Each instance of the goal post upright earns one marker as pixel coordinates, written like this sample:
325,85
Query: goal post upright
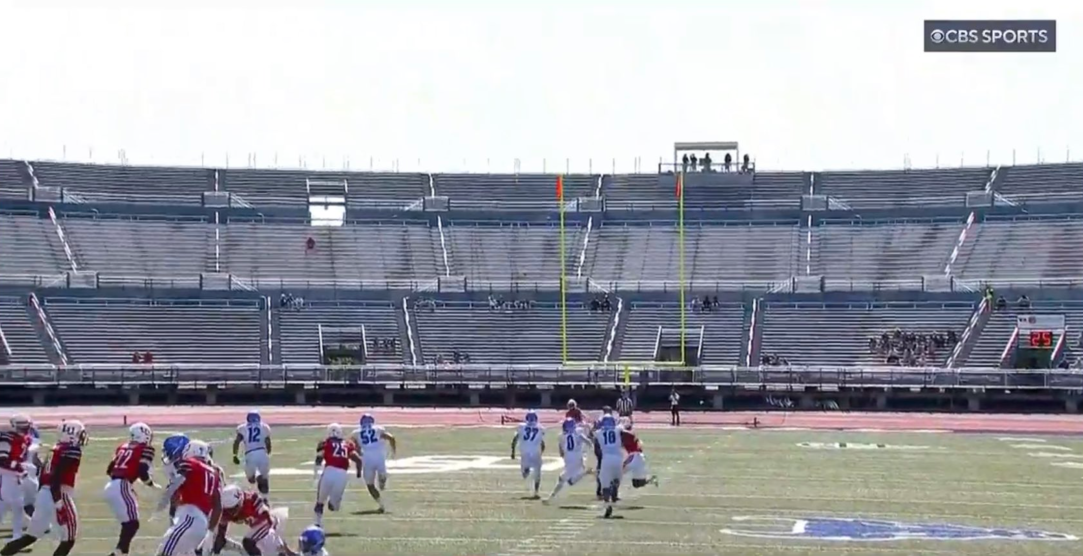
680,261
563,274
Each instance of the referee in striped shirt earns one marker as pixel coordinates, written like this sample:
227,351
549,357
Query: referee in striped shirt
625,405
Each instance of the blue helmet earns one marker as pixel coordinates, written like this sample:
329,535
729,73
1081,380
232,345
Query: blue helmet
311,541
532,417
609,422
367,421
569,425
252,418
174,446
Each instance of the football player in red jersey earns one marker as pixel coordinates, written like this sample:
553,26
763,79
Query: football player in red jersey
635,463
197,487
15,440
56,495
132,461
574,412
335,453
250,509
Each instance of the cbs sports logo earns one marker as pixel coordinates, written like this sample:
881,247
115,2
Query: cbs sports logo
990,36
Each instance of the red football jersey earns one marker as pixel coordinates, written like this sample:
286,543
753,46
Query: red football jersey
335,452
128,459
13,447
630,442
574,413
252,511
71,452
201,484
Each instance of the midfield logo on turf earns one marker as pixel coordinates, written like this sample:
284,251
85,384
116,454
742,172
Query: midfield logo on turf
853,529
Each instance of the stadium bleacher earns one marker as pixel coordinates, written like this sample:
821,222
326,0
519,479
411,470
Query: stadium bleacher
745,237
839,334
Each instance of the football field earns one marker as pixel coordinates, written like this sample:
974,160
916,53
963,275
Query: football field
454,492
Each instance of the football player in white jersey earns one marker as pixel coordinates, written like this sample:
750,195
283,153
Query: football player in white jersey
369,439
572,444
608,438
531,436
256,437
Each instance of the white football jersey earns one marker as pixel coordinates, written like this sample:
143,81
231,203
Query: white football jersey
530,437
609,440
371,442
574,443
253,436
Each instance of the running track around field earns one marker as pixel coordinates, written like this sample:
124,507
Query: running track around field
191,417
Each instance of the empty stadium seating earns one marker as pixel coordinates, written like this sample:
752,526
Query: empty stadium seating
510,191
22,337
29,245
838,334
509,336
379,253
108,331
299,330
710,190
871,189
287,188
724,327
734,252
12,185
882,250
1049,182
141,184
1015,249
503,252
137,247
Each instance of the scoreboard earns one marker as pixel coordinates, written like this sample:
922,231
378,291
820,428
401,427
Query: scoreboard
1036,340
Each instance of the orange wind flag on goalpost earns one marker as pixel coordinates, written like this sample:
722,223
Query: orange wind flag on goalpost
680,183
560,188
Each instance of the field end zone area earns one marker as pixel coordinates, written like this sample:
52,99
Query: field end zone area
724,490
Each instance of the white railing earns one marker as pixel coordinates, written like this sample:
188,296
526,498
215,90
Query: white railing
44,319
63,241
794,377
443,245
959,243
4,344
752,332
409,331
612,340
971,325
583,251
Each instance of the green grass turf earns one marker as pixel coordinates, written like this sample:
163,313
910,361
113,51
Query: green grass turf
707,478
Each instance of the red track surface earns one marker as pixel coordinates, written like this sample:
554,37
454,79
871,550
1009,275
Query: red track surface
197,416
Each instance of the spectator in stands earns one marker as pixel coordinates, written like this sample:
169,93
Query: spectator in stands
1024,302
310,245
714,301
727,162
706,303
493,305
595,305
607,305
706,162
692,162
148,358
684,163
1002,303
745,164
136,358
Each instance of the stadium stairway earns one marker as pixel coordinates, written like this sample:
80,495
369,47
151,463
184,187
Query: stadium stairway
998,332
